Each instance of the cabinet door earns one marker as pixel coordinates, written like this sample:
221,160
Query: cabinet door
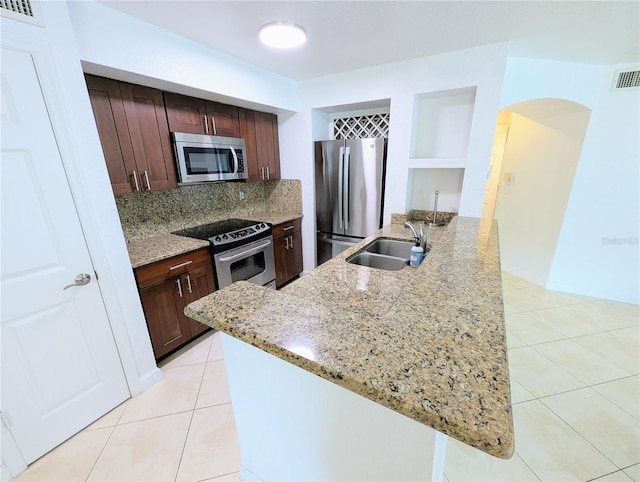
149,131
223,120
198,282
186,114
280,253
168,326
109,114
260,133
267,138
248,131
295,254
287,247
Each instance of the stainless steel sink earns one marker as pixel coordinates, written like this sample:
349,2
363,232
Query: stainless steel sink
390,247
372,260
384,253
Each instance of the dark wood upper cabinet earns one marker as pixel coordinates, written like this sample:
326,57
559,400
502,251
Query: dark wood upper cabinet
134,134
135,124
111,121
149,130
198,116
260,133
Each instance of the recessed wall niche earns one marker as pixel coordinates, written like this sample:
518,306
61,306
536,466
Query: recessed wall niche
441,127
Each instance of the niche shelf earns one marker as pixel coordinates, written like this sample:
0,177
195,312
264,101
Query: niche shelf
441,128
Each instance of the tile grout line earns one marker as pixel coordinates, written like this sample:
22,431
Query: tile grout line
579,434
93,466
195,403
184,445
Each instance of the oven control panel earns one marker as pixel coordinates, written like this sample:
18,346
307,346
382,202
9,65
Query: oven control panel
252,232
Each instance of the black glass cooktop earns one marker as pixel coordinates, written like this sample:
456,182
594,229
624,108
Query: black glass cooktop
228,233
211,230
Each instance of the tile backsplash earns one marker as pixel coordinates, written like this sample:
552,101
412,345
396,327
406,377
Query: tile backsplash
147,213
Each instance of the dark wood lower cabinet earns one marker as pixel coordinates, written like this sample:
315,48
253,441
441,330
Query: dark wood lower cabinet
287,250
164,298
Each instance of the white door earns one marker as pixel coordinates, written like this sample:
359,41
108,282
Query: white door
60,366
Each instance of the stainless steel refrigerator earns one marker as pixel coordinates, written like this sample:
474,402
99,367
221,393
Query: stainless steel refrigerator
349,178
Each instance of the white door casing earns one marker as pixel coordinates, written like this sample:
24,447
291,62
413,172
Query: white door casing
60,366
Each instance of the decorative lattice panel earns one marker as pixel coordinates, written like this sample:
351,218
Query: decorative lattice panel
374,125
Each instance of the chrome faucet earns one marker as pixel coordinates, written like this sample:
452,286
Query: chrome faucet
421,238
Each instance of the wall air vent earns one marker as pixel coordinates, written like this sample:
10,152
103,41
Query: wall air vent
626,79
18,6
23,10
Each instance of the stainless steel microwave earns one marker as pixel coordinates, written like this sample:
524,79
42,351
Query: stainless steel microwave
204,158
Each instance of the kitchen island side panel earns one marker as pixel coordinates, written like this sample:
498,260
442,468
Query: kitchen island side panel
293,425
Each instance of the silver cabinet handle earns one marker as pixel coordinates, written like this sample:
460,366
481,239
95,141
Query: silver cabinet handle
180,265
268,174
262,172
146,176
179,287
135,179
288,228
80,280
206,124
213,124
189,284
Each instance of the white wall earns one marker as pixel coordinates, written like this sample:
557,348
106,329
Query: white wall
116,45
425,182
541,154
603,204
597,253
399,82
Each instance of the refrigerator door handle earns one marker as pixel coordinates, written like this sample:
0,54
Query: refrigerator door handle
347,183
341,188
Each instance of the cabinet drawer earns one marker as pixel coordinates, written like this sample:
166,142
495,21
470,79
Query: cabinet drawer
167,268
285,229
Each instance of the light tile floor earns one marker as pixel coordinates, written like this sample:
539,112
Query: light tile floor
575,383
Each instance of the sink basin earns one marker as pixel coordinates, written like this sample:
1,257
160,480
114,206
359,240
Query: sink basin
384,253
372,260
390,247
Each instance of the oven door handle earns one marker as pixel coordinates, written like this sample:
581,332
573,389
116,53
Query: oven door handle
244,254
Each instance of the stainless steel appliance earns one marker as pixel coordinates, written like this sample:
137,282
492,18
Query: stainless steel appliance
204,158
242,250
349,179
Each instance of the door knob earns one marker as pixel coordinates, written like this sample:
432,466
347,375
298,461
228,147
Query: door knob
80,280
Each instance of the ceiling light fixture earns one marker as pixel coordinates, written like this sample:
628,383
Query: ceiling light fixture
282,35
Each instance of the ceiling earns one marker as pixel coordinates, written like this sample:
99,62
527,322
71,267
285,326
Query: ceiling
347,35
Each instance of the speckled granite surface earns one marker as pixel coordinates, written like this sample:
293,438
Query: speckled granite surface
427,342
148,218
149,249
145,214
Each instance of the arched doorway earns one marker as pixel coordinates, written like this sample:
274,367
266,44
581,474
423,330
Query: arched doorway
536,152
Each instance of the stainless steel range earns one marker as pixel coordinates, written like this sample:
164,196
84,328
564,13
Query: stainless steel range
242,250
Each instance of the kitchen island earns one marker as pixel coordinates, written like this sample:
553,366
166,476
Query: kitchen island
398,358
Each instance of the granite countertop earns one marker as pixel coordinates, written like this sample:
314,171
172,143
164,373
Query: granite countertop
156,247
427,342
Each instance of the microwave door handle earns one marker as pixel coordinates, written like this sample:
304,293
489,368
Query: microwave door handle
235,160
246,253
341,187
